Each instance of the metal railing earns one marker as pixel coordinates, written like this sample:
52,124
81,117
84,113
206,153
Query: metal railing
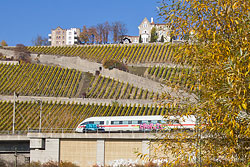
17,132
73,130
52,130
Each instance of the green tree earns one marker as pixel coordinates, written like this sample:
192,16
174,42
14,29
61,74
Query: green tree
3,43
140,40
154,35
219,54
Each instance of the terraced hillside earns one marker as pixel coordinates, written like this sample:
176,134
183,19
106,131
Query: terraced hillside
42,80
54,81
39,80
108,88
171,76
62,115
140,53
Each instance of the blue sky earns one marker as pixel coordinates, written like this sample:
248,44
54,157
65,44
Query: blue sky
23,20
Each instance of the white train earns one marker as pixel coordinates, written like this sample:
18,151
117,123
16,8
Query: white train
135,123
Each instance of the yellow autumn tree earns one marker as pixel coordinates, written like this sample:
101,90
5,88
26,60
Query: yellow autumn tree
218,53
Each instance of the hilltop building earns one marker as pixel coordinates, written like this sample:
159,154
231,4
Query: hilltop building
162,29
131,39
62,37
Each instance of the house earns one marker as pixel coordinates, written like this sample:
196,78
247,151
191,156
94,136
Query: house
130,39
62,37
162,29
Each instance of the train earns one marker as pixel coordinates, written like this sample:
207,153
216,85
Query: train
135,123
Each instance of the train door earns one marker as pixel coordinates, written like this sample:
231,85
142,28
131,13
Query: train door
107,125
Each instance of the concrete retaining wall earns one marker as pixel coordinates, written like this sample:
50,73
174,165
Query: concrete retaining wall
7,53
49,153
86,150
10,158
78,100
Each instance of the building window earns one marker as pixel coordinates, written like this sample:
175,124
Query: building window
69,33
69,38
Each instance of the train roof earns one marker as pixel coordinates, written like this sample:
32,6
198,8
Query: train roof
154,117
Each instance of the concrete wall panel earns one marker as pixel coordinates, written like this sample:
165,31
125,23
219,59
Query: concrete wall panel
121,150
50,153
80,152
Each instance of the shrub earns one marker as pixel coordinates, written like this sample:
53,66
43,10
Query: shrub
110,64
51,164
22,53
1,56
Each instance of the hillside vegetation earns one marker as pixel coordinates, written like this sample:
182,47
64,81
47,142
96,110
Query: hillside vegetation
66,115
43,80
172,76
108,88
140,53
39,80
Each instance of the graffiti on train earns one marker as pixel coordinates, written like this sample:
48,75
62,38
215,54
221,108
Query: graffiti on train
151,126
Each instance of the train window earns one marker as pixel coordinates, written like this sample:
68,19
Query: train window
154,121
144,121
101,122
134,122
139,122
107,122
125,122
162,122
115,122
120,122
97,122
129,122
149,121
90,122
